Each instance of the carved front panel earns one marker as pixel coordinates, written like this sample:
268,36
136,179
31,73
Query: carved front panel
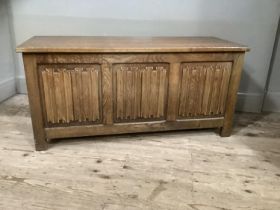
203,88
140,91
71,93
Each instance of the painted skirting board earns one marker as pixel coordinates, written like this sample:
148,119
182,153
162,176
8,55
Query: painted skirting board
249,102
272,102
7,88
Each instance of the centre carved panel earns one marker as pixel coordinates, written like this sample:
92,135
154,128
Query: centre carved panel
140,91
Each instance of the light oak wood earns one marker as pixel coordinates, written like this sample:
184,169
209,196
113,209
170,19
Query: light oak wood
89,86
232,94
71,93
134,85
82,58
203,88
34,97
107,94
120,128
172,104
128,44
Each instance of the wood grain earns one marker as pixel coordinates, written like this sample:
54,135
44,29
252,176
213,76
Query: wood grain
107,93
203,89
140,91
136,127
71,93
94,94
68,96
35,105
173,94
128,44
117,58
232,94
126,84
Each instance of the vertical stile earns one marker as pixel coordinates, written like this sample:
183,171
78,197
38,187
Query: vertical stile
129,95
224,88
139,92
153,95
214,100
197,94
68,95
48,99
148,93
124,94
187,86
52,94
192,93
219,90
161,93
201,88
119,86
63,99
211,71
183,92
144,94
94,74
58,99
90,95
135,99
75,94
157,92
85,95
80,93
207,89
107,93
134,106
196,74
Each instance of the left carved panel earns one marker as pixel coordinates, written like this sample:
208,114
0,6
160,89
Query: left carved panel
71,93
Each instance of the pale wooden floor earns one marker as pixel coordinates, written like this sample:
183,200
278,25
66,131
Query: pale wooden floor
192,170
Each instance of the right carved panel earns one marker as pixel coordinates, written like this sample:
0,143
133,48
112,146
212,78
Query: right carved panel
203,89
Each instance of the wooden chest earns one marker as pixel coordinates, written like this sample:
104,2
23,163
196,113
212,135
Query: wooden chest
83,86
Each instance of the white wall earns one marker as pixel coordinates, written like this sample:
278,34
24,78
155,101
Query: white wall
250,22
7,68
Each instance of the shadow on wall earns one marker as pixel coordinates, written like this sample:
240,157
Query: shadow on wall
272,98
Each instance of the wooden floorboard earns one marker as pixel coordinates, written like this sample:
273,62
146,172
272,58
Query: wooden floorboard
191,170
